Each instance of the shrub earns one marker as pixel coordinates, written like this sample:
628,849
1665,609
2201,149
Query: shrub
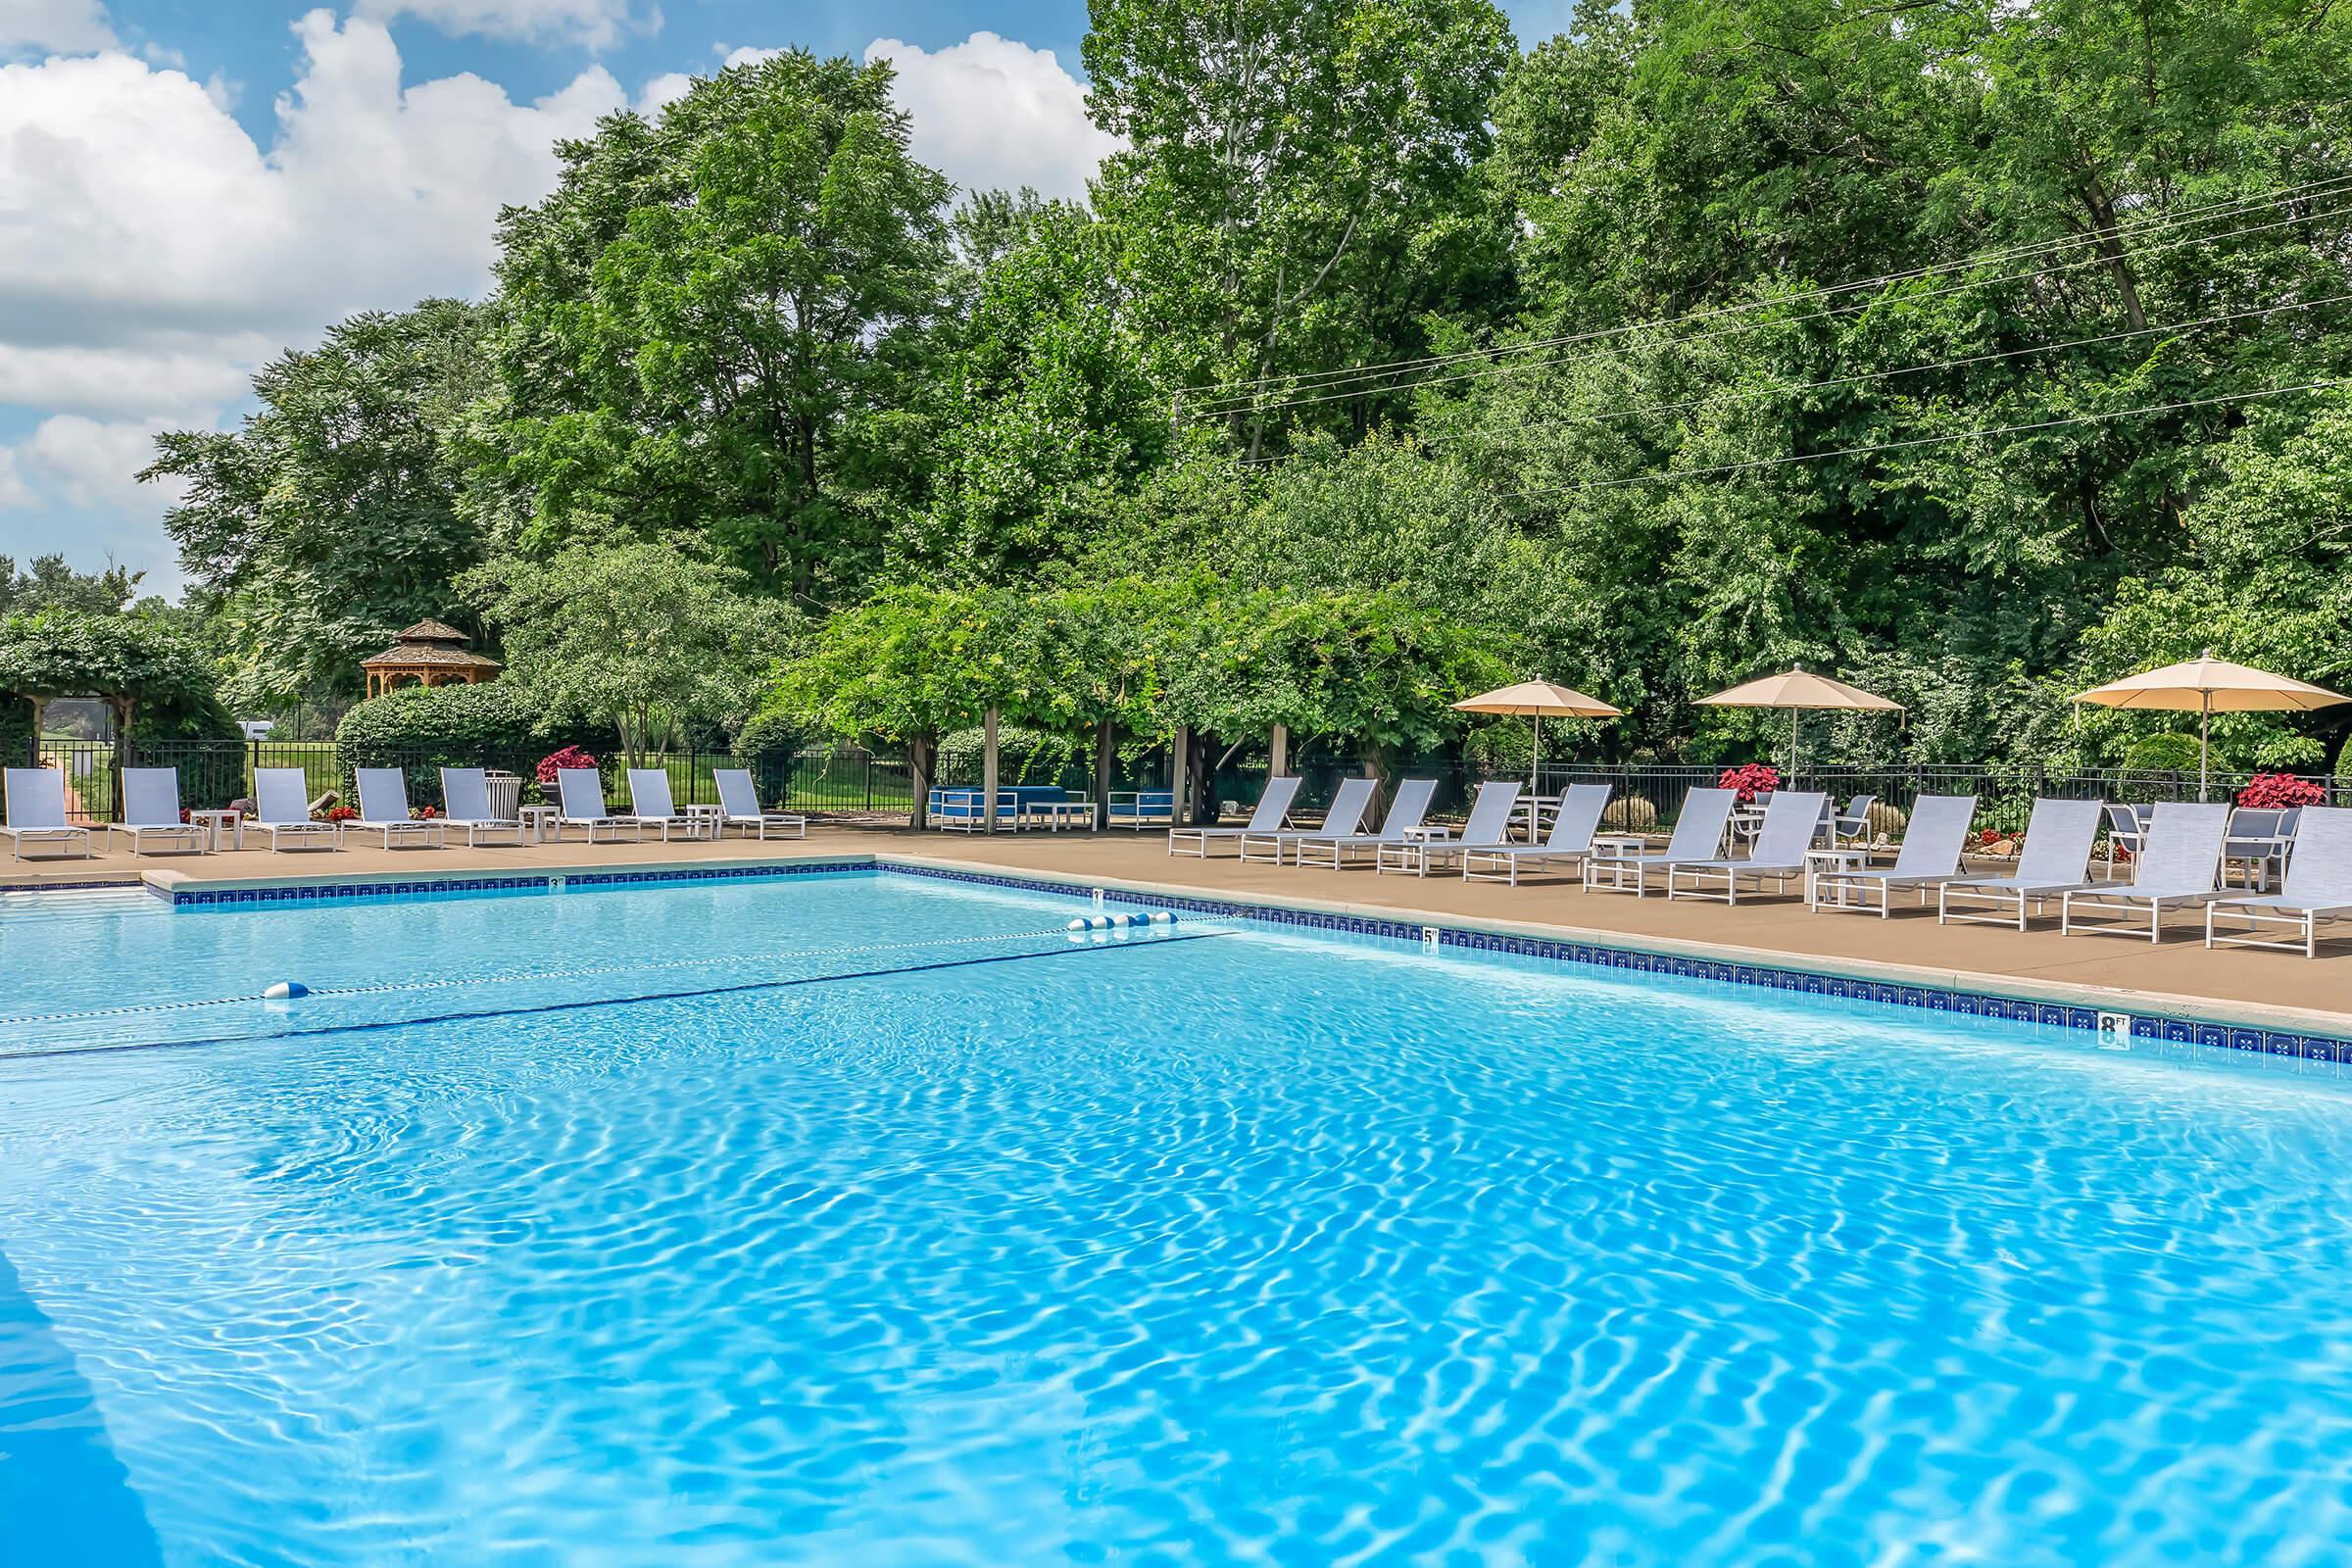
1752,780
2275,792
766,744
556,761
1632,814
2162,754
15,730
2344,762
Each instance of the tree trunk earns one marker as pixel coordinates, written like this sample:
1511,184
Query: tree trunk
1107,753
923,764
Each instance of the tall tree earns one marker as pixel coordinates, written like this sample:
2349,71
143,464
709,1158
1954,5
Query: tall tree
1300,187
716,321
333,517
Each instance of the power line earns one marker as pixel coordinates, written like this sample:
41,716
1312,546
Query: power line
1673,474
1753,327
1236,398
1735,395
1226,391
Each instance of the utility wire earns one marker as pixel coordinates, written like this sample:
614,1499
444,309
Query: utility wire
1231,390
1673,475
1753,327
1738,395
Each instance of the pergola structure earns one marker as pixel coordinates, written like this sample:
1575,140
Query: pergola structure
427,654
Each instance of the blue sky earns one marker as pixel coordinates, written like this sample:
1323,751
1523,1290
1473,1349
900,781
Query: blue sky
190,186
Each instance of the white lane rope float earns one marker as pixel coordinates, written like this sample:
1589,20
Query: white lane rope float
289,990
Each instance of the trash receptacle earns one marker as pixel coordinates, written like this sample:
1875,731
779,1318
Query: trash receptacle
506,794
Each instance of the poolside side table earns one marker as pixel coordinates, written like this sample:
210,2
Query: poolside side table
1817,861
539,820
704,821
1056,813
218,825
1609,853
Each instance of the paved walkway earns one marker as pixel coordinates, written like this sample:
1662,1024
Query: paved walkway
2228,981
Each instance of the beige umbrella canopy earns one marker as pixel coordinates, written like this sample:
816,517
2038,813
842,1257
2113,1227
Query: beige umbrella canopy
1534,699
2206,686
1798,689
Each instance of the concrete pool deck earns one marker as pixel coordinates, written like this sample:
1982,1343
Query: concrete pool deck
2249,986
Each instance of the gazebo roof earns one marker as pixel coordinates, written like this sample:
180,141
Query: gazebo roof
430,645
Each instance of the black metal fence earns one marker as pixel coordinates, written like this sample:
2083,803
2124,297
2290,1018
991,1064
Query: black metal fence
849,782
878,785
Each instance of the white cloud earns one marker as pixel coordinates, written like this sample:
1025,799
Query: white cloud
596,24
151,256
53,26
994,112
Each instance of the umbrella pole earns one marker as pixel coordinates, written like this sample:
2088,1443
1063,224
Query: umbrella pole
1535,769
2204,743
1794,714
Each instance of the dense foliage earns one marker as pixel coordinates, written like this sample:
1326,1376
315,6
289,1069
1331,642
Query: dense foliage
1961,349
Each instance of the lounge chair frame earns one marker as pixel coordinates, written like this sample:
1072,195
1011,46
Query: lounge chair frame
1272,811
2048,867
2317,888
1582,807
1488,827
1697,836
151,810
2183,843
19,786
464,791
1336,850
1347,815
1793,820
755,821
1937,835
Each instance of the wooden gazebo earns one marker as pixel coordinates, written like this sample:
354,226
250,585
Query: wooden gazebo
427,654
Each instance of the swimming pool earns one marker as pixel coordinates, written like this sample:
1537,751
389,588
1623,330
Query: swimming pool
890,1224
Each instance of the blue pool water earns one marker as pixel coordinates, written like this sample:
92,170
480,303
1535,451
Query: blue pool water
972,1243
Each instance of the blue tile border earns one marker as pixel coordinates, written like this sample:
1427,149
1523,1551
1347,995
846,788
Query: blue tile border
1934,999
2154,1028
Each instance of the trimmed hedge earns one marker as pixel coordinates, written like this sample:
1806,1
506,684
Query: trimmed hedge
427,728
15,730
2164,753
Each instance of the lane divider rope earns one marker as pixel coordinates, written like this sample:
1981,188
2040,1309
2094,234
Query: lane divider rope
588,1003
524,976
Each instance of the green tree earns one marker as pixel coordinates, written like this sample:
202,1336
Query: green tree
1300,189
644,637
140,665
719,320
48,584
333,517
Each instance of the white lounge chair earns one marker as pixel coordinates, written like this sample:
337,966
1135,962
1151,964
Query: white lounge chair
1697,836
1853,822
466,804
1346,816
384,812
36,810
282,811
650,804
1265,821
1933,841
581,792
1488,827
2179,869
739,807
1570,840
1404,817
151,810
1793,820
2054,862
2318,887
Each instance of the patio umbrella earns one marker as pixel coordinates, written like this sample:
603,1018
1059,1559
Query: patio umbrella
2206,686
1797,691
1534,699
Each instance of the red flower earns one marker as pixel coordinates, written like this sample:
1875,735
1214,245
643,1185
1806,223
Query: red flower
342,813
425,814
1752,780
569,757
2275,792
